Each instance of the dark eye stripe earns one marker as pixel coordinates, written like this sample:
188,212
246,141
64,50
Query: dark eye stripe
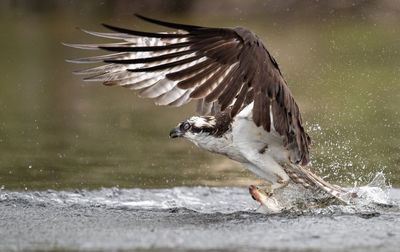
203,129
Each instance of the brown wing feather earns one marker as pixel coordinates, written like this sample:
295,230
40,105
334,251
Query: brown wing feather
225,69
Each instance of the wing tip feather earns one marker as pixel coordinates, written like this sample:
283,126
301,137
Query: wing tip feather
168,24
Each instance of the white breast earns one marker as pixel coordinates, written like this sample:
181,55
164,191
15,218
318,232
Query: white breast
264,151
247,134
221,145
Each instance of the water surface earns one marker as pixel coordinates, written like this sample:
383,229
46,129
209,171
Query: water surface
188,219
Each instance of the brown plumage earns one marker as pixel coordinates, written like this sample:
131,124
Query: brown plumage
225,69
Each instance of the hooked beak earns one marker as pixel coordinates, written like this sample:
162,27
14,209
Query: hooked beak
175,132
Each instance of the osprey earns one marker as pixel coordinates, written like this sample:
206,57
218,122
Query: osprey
245,110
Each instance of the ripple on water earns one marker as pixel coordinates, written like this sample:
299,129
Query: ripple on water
225,200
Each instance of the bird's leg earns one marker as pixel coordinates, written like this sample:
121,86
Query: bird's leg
280,183
268,189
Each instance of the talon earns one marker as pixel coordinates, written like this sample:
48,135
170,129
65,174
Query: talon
265,190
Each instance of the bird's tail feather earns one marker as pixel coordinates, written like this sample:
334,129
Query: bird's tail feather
301,174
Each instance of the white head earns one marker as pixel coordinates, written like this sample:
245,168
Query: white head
195,128
206,132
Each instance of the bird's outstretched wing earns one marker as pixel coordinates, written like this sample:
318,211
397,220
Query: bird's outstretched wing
224,69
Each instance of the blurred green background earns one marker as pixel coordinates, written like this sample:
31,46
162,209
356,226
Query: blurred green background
340,58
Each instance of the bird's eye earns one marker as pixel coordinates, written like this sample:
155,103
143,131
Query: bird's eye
185,126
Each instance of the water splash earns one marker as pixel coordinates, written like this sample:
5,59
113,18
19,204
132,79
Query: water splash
376,192
369,198
334,156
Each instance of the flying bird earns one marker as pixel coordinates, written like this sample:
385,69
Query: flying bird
245,110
